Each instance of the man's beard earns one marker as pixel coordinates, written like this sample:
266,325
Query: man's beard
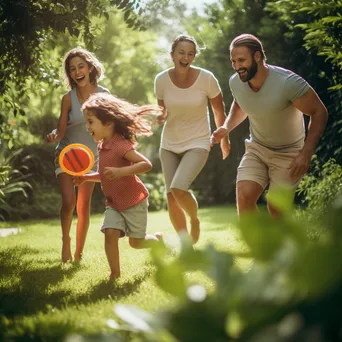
250,72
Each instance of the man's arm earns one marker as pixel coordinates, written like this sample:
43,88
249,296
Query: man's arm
235,117
217,106
310,104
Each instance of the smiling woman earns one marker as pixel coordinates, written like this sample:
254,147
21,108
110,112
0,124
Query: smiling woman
183,92
82,70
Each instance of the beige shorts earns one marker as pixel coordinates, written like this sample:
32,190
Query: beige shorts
131,222
181,169
265,166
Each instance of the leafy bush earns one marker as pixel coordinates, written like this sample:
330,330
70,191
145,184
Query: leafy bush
291,293
321,186
154,182
13,181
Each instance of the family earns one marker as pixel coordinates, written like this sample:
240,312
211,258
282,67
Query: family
277,152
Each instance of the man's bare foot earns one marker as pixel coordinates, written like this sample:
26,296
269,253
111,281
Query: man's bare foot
195,230
66,251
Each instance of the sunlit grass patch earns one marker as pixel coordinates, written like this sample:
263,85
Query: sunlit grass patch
41,298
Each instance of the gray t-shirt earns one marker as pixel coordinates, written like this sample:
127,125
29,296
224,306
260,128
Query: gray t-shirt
274,122
76,131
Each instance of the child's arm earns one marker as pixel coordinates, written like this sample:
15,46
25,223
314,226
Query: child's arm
89,177
140,165
58,134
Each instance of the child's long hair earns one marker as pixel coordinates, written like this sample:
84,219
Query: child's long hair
91,60
129,120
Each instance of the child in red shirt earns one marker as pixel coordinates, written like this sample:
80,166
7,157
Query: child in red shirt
114,123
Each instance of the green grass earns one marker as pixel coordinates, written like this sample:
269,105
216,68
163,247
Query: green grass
40,299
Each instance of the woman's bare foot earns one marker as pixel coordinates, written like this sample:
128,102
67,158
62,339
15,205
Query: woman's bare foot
77,257
114,276
195,230
66,251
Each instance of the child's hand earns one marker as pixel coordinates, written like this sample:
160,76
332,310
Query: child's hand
78,180
111,173
53,136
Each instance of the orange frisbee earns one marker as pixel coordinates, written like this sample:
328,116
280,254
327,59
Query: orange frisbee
76,159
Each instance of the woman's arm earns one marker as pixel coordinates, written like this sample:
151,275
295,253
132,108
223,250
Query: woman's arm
58,134
218,106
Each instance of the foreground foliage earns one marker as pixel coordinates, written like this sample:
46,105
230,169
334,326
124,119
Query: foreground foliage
291,293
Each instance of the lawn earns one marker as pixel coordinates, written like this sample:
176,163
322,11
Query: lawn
40,299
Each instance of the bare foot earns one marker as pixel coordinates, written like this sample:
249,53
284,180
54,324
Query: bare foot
159,236
78,257
114,276
66,253
195,230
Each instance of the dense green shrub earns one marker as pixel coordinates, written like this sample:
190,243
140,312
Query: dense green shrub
13,182
154,182
320,186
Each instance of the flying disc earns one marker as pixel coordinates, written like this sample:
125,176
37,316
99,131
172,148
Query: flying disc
76,159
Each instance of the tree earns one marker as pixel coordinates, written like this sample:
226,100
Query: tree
24,25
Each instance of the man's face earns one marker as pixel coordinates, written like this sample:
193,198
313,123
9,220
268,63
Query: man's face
243,63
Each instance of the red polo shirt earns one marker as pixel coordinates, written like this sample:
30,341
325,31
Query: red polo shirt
124,192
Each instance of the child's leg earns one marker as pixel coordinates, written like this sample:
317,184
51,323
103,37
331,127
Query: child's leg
112,237
147,242
68,205
85,191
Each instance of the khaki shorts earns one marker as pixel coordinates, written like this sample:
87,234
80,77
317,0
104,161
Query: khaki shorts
131,222
181,169
265,166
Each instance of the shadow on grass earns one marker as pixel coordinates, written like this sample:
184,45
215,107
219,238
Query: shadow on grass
26,291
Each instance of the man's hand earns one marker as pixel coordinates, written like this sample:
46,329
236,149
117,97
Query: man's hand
218,135
300,165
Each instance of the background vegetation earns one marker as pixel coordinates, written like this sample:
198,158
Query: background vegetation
132,38
289,286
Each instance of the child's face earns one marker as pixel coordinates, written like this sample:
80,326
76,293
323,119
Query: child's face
79,71
96,128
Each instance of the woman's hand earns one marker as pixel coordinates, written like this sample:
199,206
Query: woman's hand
161,118
52,137
225,147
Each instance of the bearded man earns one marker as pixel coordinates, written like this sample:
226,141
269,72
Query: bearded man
274,100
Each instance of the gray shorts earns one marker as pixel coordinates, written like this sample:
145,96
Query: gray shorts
181,169
265,166
131,222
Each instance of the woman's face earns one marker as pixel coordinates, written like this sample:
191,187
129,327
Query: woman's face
183,55
79,71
